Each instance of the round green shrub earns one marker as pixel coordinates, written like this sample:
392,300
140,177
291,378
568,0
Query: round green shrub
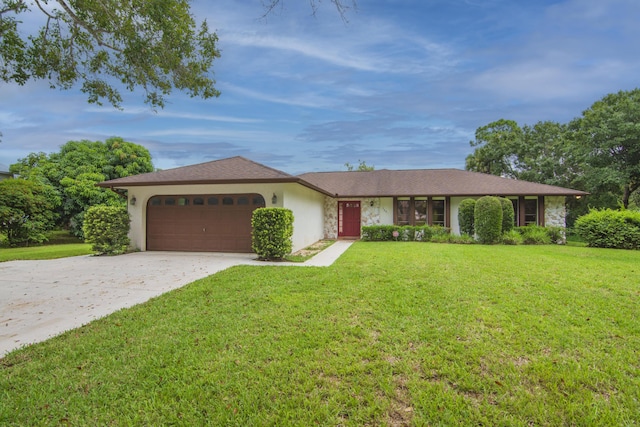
272,232
508,216
107,229
608,228
488,219
466,215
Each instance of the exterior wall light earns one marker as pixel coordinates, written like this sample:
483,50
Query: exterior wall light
274,199
133,201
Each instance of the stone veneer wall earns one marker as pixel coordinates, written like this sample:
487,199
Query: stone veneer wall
330,218
370,215
555,211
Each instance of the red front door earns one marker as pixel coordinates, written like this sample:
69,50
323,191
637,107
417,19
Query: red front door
349,219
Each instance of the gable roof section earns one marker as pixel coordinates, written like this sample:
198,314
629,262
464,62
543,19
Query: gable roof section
234,170
377,183
428,182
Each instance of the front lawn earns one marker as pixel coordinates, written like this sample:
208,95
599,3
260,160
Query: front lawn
391,334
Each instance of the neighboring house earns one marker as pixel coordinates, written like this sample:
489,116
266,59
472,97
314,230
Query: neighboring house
208,206
4,172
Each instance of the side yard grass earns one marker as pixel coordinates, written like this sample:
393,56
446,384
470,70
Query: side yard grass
391,334
61,244
45,252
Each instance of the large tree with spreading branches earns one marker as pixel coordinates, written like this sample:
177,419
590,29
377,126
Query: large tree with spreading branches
107,45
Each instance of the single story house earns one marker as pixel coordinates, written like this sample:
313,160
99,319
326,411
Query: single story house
208,206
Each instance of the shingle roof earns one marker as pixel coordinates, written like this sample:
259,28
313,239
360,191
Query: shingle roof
377,183
428,182
232,170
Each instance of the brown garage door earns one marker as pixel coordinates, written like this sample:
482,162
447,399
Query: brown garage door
201,223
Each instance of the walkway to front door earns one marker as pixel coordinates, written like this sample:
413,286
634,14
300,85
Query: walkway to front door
349,219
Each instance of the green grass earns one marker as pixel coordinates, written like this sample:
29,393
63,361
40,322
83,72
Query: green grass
391,334
61,244
45,252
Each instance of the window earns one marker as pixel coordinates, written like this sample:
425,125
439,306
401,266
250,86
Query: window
212,201
530,211
403,212
242,200
198,201
438,212
227,201
155,201
420,209
169,201
258,201
183,201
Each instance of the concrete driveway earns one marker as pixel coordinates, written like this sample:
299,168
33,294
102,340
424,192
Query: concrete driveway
41,299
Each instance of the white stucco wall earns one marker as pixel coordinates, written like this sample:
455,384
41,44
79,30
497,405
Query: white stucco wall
305,203
308,214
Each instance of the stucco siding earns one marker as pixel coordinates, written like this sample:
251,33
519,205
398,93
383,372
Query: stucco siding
308,214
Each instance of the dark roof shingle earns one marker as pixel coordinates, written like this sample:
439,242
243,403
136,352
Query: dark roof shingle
377,183
428,182
233,169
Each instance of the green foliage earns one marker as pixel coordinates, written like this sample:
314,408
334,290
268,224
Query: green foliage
512,237
362,167
107,229
488,219
508,215
405,233
609,133
557,234
497,148
72,174
153,45
27,211
609,228
272,233
534,235
466,213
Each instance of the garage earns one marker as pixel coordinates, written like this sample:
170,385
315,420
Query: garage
201,223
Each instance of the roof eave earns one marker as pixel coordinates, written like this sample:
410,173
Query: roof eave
114,185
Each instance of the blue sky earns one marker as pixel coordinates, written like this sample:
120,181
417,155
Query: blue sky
402,85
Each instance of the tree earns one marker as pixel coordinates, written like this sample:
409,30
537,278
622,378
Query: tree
608,134
340,6
73,172
362,166
153,45
498,145
107,45
27,211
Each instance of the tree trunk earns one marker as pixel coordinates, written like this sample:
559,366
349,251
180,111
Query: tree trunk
625,196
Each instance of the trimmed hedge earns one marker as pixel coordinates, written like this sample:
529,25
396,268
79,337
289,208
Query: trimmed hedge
488,219
609,228
406,233
466,213
272,233
107,229
508,216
